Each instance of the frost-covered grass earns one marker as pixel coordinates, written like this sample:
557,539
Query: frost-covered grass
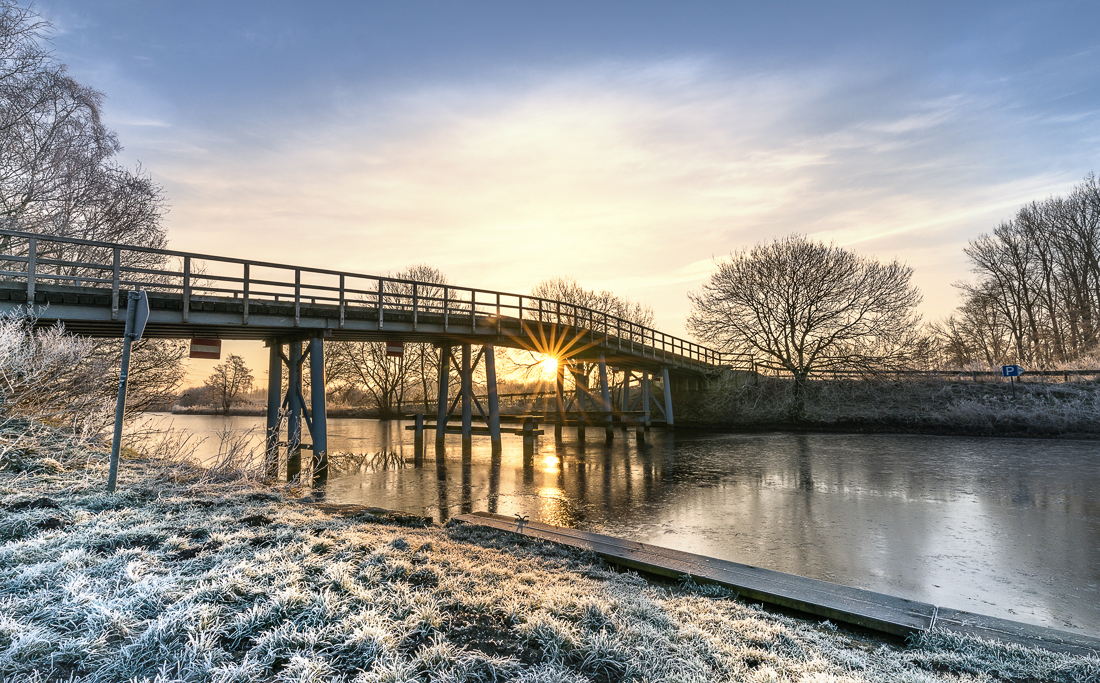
202,579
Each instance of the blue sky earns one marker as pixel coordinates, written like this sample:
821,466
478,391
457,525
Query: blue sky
625,144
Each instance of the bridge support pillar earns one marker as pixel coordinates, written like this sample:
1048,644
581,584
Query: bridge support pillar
494,402
467,394
318,410
274,403
559,394
625,397
605,394
418,435
294,414
668,397
580,389
646,397
442,404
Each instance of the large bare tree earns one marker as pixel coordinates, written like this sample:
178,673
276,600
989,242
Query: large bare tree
804,307
59,175
58,161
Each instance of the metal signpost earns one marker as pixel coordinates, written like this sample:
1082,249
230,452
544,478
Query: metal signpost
1012,372
137,314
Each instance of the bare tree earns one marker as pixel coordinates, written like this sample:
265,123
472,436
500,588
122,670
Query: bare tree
422,360
976,335
59,176
58,173
1038,275
229,381
808,307
365,367
568,291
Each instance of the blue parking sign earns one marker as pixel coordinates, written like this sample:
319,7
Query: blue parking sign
1011,371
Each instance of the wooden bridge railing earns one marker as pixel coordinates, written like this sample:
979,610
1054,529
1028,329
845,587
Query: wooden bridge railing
34,258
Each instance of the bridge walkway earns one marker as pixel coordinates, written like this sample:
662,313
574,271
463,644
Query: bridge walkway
85,285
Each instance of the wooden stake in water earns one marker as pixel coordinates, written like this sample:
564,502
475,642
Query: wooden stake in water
137,314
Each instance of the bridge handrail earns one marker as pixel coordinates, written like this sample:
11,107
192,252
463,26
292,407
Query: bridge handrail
446,298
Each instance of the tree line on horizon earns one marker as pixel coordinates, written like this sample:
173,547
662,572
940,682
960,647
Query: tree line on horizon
1036,300
803,307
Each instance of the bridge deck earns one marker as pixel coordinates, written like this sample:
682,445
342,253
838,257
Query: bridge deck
84,283
88,311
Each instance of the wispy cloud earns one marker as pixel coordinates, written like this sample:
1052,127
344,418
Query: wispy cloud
626,176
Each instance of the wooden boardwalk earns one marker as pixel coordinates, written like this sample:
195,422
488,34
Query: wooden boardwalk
877,611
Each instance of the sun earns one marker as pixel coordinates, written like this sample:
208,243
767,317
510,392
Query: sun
548,365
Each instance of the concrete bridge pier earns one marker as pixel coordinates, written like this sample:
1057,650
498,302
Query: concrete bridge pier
466,367
580,390
625,396
646,397
668,397
418,434
493,399
316,417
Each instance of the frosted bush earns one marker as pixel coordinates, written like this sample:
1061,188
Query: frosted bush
47,374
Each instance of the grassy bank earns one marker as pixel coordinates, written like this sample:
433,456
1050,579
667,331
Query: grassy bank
1039,409
197,576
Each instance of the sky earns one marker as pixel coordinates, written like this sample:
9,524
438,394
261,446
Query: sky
626,144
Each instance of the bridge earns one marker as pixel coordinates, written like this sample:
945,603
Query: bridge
84,284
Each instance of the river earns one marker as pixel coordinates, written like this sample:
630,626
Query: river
1004,527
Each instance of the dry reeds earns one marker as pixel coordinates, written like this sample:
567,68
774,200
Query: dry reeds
907,404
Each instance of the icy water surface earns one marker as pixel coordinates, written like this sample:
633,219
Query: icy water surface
1004,527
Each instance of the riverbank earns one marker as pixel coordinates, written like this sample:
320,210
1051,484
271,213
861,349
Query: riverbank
207,576
908,406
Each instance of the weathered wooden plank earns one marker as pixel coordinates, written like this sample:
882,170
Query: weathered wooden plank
869,609
1007,631
841,603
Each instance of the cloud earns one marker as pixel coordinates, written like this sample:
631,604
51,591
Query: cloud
625,176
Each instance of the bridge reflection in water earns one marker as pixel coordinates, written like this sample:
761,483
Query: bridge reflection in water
559,482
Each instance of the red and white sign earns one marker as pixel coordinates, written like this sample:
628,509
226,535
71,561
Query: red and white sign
206,348
395,349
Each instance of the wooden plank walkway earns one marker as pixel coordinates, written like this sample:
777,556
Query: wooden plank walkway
878,611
